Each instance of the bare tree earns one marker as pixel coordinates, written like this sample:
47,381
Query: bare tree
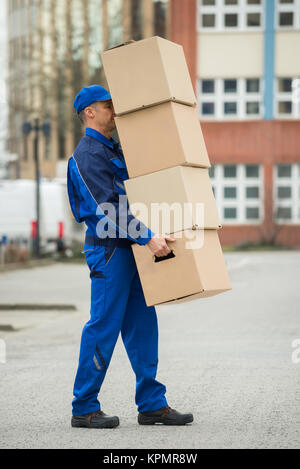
69,132
29,57
105,30
54,81
126,20
148,10
86,42
136,20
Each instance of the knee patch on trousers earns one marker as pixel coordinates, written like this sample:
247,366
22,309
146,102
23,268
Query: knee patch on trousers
99,360
97,274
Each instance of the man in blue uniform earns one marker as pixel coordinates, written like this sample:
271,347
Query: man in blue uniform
96,174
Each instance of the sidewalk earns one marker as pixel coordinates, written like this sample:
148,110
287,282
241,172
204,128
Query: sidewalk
227,359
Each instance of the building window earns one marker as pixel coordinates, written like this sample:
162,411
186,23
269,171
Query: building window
238,191
208,21
230,192
252,171
253,19
230,86
287,193
284,171
287,97
230,108
252,192
208,109
284,192
231,20
208,86
288,14
230,213
230,98
232,15
252,213
229,171
252,85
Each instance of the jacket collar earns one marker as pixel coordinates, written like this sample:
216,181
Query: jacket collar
101,138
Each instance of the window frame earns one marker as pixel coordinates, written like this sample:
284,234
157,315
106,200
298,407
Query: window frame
288,8
242,9
287,96
294,201
219,97
240,202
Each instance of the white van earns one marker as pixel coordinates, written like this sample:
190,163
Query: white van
18,213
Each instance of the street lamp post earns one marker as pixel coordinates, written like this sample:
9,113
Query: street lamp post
27,129
36,129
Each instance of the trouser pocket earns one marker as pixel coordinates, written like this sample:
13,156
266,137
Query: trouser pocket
95,257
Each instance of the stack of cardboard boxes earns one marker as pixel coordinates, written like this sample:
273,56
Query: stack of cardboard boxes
168,165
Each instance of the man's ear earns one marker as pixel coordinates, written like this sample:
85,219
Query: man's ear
89,113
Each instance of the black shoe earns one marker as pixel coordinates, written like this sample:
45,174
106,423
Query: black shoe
95,420
166,416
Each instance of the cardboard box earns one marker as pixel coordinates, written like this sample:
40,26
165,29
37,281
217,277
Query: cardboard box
161,137
146,73
184,186
193,273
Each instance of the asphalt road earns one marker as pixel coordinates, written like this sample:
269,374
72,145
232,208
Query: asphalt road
228,359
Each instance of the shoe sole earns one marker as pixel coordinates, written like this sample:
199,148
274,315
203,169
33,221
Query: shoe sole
144,420
75,423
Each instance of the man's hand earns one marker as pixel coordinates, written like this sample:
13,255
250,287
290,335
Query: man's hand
159,246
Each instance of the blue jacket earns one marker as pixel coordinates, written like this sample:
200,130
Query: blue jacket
96,175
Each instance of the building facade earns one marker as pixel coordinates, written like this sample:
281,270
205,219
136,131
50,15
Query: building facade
245,65
54,48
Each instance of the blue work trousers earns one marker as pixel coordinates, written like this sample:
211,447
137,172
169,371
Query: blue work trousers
117,305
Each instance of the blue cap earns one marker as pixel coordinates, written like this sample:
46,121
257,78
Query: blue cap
89,95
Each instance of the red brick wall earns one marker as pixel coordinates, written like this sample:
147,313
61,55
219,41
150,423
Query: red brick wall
264,142
253,141
183,31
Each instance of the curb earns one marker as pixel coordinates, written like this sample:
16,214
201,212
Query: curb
37,307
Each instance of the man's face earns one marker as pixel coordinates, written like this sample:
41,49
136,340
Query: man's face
102,113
